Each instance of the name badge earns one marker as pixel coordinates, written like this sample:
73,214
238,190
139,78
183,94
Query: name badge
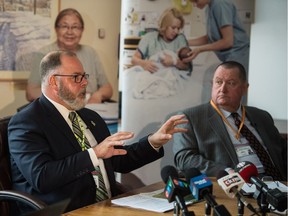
244,151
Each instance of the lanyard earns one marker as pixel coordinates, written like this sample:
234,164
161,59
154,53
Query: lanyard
237,133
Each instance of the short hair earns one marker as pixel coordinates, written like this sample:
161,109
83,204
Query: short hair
166,19
234,64
68,11
52,61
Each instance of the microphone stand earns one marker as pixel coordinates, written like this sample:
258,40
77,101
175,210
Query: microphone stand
207,209
263,204
218,210
240,206
261,201
181,202
176,210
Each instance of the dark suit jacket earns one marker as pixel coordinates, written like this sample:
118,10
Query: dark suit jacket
47,161
208,147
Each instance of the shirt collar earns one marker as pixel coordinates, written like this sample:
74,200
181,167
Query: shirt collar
61,109
227,114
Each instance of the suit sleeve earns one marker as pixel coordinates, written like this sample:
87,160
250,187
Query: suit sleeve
191,149
138,155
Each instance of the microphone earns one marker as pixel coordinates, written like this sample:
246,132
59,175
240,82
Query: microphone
175,189
274,197
231,184
201,188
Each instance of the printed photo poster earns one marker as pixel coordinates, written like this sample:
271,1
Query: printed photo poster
148,99
25,27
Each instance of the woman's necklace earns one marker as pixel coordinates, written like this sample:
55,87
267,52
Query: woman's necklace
237,133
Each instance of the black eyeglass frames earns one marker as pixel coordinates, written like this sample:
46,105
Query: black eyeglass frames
77,77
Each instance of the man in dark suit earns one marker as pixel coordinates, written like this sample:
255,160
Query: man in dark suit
214,142
46,158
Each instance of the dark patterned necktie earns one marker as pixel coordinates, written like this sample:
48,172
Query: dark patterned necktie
101,192
270,169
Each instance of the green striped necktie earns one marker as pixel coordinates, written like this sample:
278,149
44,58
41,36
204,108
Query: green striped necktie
101,192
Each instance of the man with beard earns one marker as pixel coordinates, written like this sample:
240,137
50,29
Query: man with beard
52,160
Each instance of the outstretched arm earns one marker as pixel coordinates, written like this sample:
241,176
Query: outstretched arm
108,147
225,42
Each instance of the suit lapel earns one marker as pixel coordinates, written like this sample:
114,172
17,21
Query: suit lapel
218,126
59,122
95,124
90,123
259,127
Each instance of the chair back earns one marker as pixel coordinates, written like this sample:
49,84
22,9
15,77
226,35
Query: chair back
5,174
6,193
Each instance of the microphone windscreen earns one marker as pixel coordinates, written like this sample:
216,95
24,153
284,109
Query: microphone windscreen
246,170
221,174
191,173
168,171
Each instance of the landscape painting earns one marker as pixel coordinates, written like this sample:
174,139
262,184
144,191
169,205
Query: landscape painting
24,27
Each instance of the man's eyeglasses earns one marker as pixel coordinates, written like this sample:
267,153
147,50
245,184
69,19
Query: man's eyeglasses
77,77
75,28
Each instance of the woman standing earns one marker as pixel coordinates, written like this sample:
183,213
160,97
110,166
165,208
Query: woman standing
69,26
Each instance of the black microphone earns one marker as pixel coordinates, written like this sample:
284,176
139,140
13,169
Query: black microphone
175,189
201,188
231,184
274,197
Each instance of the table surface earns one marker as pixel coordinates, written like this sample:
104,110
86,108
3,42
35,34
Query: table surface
107,208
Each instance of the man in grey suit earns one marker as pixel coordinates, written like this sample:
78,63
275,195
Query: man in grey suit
53,163
213,141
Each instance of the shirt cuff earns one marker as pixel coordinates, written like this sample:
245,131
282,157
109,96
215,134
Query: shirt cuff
155,148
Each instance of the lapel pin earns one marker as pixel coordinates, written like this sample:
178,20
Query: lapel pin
93,123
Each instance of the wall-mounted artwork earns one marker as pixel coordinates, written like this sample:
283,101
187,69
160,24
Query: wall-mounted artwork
24,27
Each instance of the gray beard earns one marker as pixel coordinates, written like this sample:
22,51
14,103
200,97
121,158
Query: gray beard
70,99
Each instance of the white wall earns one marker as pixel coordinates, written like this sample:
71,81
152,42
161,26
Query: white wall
268,58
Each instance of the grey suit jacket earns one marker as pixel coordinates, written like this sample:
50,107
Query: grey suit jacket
207,144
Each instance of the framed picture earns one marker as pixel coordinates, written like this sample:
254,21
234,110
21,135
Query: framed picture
25,27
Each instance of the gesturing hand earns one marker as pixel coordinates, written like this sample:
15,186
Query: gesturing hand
106,148
165,133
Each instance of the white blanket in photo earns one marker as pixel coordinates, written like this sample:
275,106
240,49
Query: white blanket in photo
166,82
